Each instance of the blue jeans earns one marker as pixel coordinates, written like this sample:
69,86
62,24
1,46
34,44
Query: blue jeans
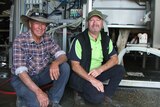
55,92
90,93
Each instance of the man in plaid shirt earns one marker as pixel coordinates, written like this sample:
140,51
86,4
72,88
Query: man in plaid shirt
38,60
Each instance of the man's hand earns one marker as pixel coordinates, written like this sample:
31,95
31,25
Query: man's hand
54,71
97,84
95,72
42,98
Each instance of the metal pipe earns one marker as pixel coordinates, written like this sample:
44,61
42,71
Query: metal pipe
153,51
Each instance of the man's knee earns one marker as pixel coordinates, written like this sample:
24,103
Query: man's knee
120,70
65,66
65,69
91,94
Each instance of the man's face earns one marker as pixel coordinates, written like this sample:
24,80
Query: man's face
95,24
37,28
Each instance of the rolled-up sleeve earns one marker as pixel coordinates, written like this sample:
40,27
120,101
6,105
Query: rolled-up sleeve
19,63
59,53
21,69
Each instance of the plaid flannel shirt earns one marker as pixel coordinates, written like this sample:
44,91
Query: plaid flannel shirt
32,57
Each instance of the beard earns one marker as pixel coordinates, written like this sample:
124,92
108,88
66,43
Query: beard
95,29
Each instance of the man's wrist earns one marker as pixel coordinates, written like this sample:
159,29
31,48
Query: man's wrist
38,91
90,78
55,62
100,70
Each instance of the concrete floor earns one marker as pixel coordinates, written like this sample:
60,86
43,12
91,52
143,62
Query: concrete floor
124,96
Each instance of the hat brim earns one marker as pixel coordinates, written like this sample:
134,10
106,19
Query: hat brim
25,19
103,17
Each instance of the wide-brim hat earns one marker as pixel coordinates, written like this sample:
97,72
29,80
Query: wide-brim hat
37,16
96,13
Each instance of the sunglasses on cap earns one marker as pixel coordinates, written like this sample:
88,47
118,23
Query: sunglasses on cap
37,14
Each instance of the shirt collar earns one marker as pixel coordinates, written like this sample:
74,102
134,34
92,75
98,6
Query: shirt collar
98,39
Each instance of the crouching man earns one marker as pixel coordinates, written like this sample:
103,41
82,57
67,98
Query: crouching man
38,60
93,61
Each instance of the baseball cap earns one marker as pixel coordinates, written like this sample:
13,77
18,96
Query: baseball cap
95,13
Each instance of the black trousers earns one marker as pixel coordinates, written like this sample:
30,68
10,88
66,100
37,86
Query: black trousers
90,93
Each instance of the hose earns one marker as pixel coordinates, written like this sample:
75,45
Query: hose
6,92
13,92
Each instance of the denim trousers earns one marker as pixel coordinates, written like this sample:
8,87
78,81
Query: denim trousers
90,93
55,93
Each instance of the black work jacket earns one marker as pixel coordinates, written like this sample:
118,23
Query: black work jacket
86,48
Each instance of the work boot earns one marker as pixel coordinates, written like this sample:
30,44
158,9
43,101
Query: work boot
20,102
52,104
78,100
56,105
109,102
